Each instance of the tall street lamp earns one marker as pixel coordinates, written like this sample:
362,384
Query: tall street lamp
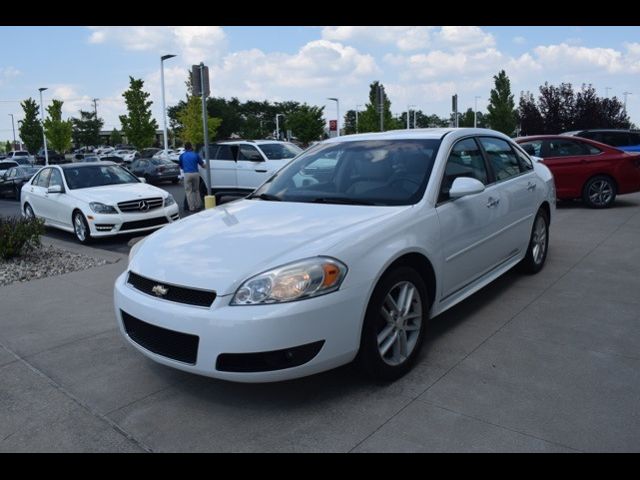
14,131
625,101
338,120
278,125
357,117
475,112
409,116
164,108
44,137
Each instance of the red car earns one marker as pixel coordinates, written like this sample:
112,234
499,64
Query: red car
586,169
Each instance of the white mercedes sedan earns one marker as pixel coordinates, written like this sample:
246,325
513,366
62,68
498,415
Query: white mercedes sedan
344,254
96,200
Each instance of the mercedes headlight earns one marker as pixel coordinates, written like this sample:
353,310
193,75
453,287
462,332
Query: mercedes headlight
169,200
293,281
98,207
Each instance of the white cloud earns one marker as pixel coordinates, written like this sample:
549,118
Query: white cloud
403,38
575,58
519,40
465,38
8,73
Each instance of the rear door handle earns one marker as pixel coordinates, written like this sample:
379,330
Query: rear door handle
261,171
531,186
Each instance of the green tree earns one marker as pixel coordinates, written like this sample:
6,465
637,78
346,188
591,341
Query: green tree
369,119
7,147
531,121
467,119
86,129
115,137
502,113
58,131
30,128
138,125
307,123
190,117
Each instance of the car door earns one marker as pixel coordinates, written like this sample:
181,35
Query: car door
516,184
6,181
37,190
223,167
567,160
252,167
58,205
467,224
138,167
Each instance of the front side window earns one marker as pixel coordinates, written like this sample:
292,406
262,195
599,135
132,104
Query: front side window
224,153
374,172
277,151
97,176
465,160
56,178
42,180
565,148
250,153
501,157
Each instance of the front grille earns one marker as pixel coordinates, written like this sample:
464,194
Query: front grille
140,205
168,343
190,296
151,222
268,361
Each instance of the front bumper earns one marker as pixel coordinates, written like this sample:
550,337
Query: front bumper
334,319
106,225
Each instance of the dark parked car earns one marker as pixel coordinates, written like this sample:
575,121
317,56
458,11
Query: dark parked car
627,140
586,169
6,165
54,157
12,180
149,152
155,170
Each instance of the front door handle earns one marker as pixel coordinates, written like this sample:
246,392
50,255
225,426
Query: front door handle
261,171
493,202
531,186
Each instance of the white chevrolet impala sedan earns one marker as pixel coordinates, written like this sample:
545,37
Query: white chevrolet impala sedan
344,254
96,200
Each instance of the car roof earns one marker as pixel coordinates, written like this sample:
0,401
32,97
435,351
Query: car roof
85,164
416,133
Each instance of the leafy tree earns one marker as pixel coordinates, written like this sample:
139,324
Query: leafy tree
138,125
7,147
58,131
531,121
349,122
556,105
86,129
30,128
115,137
190,118
369,119
613,114
502,113
307,123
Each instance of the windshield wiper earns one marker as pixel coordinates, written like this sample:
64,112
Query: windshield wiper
266,196
341,200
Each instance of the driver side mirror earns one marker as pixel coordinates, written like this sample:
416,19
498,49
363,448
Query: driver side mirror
463,186
536,159
142,180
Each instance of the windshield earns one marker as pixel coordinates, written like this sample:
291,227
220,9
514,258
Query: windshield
277,151
97,176
26,171
21,154
373,172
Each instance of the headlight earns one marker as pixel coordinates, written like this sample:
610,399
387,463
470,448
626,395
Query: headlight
135,248
98,207
169,200
293,281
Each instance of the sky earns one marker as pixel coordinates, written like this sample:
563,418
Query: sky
419,66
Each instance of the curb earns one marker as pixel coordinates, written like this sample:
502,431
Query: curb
110,257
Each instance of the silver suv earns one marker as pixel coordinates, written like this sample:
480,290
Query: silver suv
239,167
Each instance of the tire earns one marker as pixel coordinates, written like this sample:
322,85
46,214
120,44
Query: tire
383,354
81,228
16,192
538,245
599,192
28,211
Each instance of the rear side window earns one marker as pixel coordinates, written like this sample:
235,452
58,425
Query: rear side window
615,139
501,157
224,153
566,148
534,147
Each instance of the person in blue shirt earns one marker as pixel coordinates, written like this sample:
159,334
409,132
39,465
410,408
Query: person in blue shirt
189,162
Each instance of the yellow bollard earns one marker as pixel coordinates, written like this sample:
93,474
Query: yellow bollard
209,201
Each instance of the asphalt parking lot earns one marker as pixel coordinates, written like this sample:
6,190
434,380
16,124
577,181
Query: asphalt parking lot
544,363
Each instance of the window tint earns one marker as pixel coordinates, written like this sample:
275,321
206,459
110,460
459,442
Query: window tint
277,151
465,160
224,153
501,157
248,152
615,139
56,178
534,147
592,150
634,139
43,178
523,160
565,148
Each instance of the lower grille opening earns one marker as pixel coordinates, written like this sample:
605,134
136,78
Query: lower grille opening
104,227
268,361
168,343
152,222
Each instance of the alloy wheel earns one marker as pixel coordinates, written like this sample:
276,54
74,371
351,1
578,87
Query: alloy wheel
600,192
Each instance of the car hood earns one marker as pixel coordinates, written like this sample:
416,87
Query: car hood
112,194
218,249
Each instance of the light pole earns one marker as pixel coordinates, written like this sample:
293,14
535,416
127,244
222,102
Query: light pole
475,112
625,100
164,108
338,118
44,137
278,125
357,117
409,116
14,131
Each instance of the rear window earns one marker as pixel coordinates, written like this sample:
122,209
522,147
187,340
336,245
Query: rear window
277,151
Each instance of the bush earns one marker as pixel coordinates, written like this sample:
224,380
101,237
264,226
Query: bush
18,235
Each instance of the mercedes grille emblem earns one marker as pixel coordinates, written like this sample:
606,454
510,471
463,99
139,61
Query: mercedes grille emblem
144,206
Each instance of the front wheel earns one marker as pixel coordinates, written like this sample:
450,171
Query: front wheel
28,211
394,325
599,192
538,244
81,228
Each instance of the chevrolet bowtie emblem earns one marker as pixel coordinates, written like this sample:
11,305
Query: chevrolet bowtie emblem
160,290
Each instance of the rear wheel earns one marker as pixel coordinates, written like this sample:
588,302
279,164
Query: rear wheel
599,192
81,227
538,244
394,325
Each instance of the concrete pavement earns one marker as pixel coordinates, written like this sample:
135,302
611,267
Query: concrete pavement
544,363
